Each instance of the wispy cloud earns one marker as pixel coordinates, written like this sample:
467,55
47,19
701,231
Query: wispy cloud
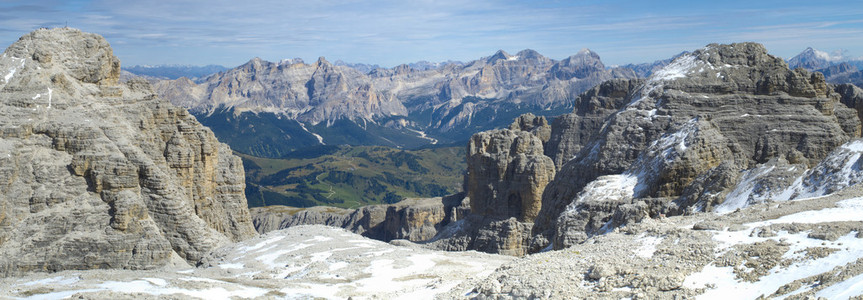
389,32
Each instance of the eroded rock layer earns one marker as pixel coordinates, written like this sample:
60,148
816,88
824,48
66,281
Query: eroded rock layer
681,140
416,219
98,174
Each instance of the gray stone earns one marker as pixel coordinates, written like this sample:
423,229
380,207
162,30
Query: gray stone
98,174
413,219
682,134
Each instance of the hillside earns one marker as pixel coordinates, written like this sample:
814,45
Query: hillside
349,177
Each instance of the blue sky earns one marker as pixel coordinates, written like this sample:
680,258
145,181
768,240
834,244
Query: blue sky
230,32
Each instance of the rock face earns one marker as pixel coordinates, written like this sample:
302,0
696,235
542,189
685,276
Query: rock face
98,174
506,174
571,132
843,73
681,140
415,220
402,104
851,96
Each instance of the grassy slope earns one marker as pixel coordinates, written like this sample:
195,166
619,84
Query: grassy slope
350,177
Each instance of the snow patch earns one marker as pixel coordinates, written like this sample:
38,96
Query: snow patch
846,289
744,194
845,210
422,134
317,136
270,258
50,92
648,246
727,286
840,169
232,266
608,187
13,69
677,69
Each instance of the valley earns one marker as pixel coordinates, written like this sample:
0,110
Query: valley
352,176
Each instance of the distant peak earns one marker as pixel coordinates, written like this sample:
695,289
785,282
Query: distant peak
499,55
256,61
529,53
322,60
291,61
585,52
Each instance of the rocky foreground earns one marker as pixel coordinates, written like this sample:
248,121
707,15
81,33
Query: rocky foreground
300,262
795,249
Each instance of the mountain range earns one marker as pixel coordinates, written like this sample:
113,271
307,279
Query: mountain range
174,71
269,109
724,174
291,104
837,66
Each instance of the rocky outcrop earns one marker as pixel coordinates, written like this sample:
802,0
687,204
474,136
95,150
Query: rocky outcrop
570,132
98,174
851,96
506,174
680,140
536,125
412,219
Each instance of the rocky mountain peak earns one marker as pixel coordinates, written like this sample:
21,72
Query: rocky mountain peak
255,65
586,51
813,59
737,68
497,56
580,65
530,54
403,69
83,57
738,54
322,62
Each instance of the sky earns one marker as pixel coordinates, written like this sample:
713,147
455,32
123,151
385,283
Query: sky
388,33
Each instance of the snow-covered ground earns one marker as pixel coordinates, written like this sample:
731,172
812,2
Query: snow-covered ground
848,248
301,262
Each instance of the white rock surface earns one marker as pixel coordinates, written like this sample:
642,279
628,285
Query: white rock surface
298,262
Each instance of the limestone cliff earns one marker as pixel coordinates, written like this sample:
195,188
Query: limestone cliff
506,175
684,138
415,219
98,174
